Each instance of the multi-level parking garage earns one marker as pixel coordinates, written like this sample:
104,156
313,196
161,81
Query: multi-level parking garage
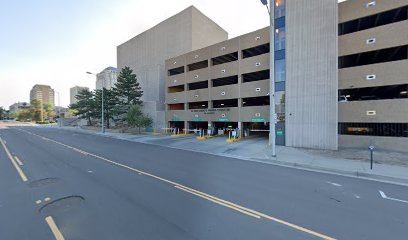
224,86
373,74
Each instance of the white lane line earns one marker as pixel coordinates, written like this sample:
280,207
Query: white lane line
334,184
57,233
390,198
16,166
18,161
196,192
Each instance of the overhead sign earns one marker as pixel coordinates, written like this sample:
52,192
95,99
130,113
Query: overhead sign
197,119
224,120
258,120
176,119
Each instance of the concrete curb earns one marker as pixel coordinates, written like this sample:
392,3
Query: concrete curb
307,167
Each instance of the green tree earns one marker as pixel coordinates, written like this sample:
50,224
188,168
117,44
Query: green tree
111,105
86,106
127,88
36,111
24,115
136,118
2,112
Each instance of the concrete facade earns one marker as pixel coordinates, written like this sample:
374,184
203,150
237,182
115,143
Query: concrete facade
43,93
146,52
73,92
107,78
373,70
311,68
226,85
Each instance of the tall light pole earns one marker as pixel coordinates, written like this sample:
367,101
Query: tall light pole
272,114
103,114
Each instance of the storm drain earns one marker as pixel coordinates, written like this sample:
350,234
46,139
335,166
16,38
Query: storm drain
62,204
43,182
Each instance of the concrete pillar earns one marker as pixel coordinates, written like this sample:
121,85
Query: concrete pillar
239,129
186,126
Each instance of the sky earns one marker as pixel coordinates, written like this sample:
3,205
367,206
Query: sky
56,42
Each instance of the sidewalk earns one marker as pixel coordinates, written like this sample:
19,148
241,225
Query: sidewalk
389,167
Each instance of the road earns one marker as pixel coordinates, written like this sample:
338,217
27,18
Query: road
59,184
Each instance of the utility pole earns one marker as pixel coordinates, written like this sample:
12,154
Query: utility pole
272,114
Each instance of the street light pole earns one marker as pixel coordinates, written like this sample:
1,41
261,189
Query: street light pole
272,113
103,113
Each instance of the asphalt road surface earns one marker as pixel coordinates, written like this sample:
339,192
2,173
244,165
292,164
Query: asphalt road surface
59,184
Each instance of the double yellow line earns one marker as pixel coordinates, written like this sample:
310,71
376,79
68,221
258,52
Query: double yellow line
219,201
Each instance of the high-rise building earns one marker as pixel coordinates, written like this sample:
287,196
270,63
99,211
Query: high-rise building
145,54
42,93
73,92
107,78
373,74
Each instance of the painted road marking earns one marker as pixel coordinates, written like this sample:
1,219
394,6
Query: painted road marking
390,198
47,199
334,184
57,233
214,199
18,161
220,203
16,166
38,201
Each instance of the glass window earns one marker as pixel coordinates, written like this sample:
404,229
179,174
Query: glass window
279,38
280,102
280,70
279,8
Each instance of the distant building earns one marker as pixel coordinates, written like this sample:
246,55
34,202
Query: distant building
42,93
73,92
17,107
107,78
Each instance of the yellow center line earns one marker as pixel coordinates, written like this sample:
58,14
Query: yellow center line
57,233
16,166
209,197
220,203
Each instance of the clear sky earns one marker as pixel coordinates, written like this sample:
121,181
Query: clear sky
56,42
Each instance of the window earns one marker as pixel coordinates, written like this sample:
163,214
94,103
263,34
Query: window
280,70
198,105
374,93
225,103
255,101
374,129
198,85
280,102
255,51
376,20
176,89
279,38
225,81
279,8
255,76
372,57
197,65
176,71
225,58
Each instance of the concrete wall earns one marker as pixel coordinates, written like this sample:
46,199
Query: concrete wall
146,53
311,77
399,144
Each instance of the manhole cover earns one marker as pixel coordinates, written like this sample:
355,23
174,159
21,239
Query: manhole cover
62,204
43,182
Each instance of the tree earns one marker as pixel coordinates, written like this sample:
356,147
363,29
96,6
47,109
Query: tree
127,88
110,106
36,111
85,107
2,112
136,118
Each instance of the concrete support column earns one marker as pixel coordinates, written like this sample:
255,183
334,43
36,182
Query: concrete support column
239,129
186,126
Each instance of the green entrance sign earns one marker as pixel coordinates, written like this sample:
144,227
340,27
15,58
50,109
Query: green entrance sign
223,120
279,132
175,119
197,120
258,120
